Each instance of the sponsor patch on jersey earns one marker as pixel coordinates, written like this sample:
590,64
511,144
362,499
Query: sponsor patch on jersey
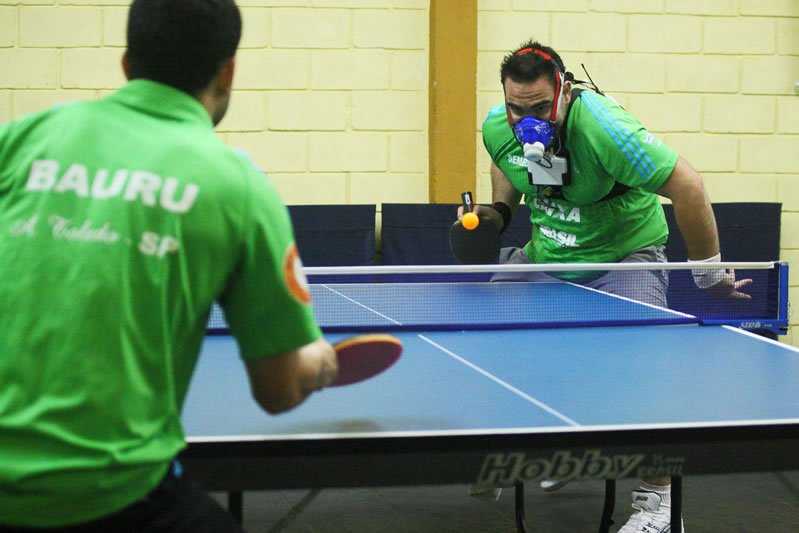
293,276
517,160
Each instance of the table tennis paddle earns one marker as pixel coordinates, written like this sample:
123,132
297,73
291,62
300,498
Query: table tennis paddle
365,356
476,246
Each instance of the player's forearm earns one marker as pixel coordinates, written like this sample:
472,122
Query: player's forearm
692,211
502,190
282,382
698,228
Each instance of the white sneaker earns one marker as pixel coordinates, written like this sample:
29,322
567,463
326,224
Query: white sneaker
551,486
653,514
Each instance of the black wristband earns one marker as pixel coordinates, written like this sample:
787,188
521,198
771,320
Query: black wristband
506,212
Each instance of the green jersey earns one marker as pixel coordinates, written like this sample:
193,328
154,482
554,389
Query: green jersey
608,209
121,221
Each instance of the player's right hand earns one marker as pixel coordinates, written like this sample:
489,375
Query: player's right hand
728,287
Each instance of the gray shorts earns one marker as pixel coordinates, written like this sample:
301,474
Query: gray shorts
648,286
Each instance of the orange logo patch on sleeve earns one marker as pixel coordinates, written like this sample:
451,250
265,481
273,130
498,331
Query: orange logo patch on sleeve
293,276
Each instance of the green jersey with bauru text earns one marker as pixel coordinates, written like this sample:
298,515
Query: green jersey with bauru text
121,221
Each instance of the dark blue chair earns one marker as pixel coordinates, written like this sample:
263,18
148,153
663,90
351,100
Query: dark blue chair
334,235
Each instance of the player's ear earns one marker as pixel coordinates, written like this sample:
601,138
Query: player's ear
224,78
567,92
125,67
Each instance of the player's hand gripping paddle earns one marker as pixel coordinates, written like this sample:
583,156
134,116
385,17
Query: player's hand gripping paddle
365,356
474,240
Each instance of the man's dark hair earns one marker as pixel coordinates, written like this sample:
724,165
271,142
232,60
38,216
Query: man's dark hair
181,43
529,62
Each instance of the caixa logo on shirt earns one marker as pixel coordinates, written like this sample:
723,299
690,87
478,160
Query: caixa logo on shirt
508,468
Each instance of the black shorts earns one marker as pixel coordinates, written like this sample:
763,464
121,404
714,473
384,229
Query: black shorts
176,505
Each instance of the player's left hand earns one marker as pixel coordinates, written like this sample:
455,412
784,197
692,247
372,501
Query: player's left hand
729,287
485,213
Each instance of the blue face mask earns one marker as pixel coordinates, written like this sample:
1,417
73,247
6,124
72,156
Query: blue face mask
530,130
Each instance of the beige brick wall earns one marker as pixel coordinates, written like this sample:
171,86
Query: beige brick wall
714,78
330,96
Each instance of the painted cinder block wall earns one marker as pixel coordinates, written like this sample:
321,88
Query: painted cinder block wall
331,96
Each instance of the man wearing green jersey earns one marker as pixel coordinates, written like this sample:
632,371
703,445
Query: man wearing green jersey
591,175
121,221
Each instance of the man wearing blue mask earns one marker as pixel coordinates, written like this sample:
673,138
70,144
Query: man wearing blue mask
591,175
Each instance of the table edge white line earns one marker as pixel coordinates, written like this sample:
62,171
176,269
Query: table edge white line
494,431
760,337
534,267
631,300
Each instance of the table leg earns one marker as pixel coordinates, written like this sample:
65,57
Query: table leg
610,503
520,508
676,504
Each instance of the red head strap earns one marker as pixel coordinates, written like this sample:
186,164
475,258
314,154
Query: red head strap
558,81
536,50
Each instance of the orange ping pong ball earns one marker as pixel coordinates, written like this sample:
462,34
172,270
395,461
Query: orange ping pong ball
470,221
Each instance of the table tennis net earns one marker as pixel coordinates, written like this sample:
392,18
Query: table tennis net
361,299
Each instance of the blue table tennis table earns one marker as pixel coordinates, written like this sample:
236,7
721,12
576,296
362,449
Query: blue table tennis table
505,404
